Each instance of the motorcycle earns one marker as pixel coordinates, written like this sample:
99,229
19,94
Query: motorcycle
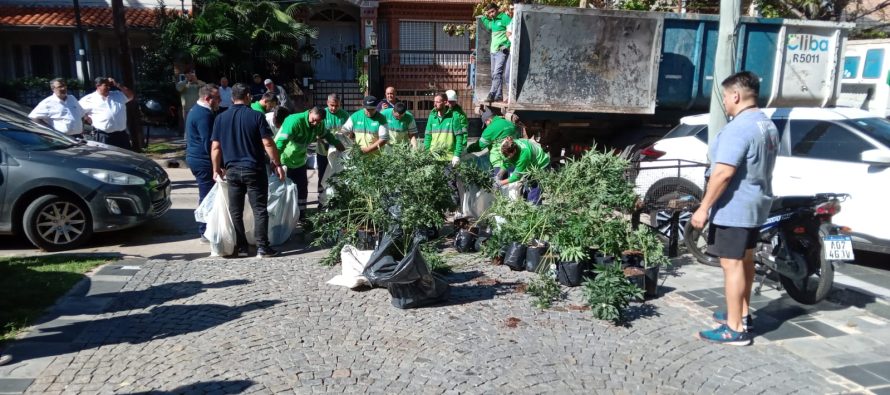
798,242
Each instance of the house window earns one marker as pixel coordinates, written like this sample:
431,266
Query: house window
42,61
423,43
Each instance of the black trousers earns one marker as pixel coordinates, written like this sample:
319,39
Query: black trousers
255,184
119,139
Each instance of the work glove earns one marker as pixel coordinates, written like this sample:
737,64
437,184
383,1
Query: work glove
454,161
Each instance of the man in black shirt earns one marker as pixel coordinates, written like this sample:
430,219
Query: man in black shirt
240,136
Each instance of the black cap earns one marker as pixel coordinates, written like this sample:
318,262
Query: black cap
370,102
487,115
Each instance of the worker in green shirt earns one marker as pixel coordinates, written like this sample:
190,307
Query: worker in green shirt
266,103
335,118
444,136
368,126
297,132
400,124
522,155
497,22
496,130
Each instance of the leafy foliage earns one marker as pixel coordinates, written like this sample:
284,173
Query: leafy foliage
545,290
402,189
650,245
434,258
609,293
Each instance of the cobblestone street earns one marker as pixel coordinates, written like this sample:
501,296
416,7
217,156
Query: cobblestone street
268,326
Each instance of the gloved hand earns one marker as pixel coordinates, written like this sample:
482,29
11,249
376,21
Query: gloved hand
454,161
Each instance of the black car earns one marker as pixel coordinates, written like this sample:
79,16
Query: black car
58,191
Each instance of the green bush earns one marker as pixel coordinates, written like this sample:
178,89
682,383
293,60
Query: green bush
609,293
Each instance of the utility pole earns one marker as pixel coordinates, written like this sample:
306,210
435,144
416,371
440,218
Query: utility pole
134,116
723,62
82,51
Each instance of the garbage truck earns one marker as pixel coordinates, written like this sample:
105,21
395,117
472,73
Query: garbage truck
623,78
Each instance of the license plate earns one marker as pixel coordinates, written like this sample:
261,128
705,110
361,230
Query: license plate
838,247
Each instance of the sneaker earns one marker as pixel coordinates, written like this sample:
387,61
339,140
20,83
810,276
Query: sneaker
747,321
266,252
240,252
203,240
724,335
5,359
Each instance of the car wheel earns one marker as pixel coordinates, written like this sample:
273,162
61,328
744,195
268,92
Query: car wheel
55,223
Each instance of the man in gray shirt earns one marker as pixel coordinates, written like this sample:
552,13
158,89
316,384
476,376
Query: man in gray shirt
737,201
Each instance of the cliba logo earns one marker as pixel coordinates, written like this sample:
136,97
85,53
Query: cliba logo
807,42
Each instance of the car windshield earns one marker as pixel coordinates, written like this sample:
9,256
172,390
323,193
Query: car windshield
30,137
876,128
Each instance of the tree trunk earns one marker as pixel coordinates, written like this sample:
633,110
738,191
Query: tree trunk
134,116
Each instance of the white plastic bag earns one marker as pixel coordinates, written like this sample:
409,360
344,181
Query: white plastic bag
220,230
353,262
335,165
284,211
474,201
202,213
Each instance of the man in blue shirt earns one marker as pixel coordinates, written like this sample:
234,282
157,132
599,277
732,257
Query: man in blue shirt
737,201
240,137
198,127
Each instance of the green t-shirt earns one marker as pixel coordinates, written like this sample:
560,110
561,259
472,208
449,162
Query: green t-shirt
258,107
443,135
333,122
400,130
367,129
462,119
498,27
531,156
295,136
492,137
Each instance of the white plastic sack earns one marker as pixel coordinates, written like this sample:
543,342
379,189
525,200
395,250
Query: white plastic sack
220,230
353,262
335,165
513,190
284,211
474,201
202,213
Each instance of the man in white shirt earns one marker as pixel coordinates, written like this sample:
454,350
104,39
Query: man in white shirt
225,94
60,111
106,110
278,91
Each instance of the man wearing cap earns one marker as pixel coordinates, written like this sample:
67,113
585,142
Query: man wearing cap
60,111
106,110
278,91
496,130
463,121
497,23
389,100
444,135
297,132
400,124
368,126
267,102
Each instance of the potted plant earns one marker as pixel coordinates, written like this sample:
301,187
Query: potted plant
609,293
652,256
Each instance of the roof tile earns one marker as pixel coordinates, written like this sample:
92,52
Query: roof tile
96,17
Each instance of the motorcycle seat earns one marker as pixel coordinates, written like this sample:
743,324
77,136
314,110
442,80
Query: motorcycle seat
785,202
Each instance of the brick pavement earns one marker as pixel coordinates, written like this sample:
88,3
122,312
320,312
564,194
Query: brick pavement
270,326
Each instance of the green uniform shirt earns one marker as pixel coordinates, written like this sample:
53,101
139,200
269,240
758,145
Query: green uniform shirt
498,27
295,136
443,135
333,122
492,137
257,106
463,121
367,129
400,130
531,156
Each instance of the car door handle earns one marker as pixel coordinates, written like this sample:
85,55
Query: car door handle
796,177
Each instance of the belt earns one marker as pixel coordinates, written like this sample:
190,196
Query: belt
104,132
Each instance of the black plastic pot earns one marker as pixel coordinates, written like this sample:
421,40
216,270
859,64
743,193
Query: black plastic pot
515,257
651,282
638,280
633,260
534,256
465,241
571,274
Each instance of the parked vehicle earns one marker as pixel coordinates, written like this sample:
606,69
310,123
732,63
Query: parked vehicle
58,191
864,76
798,241
841,149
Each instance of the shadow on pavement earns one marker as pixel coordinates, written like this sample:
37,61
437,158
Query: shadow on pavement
205,387
160,294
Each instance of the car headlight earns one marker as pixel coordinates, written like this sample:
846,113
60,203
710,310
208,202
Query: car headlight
113,177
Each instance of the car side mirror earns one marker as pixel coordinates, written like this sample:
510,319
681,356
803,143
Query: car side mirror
876,157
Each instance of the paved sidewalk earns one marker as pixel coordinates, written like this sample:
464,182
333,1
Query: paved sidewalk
270,326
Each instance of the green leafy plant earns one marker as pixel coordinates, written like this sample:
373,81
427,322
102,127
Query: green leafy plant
434,258
470,174
545,290
609,293
647,242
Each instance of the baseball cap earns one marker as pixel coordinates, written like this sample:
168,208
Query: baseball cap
487,115
267,81
451,95
370,102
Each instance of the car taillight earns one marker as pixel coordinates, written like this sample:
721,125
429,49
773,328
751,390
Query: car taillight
829,208
651,153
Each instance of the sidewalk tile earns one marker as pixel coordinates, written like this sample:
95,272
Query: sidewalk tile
14,386
821,329
860,376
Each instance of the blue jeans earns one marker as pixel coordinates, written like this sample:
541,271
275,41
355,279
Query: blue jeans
203,173
498,68
255,184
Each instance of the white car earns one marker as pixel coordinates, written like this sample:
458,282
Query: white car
840,150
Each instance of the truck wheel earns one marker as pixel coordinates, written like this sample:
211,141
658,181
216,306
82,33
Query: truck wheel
55,223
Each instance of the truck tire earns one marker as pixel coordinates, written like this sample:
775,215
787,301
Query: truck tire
56,223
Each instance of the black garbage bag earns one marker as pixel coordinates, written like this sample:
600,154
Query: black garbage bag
409,281
465,241
515,257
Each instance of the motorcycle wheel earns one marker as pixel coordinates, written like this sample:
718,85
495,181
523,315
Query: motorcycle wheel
696,242
815,287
